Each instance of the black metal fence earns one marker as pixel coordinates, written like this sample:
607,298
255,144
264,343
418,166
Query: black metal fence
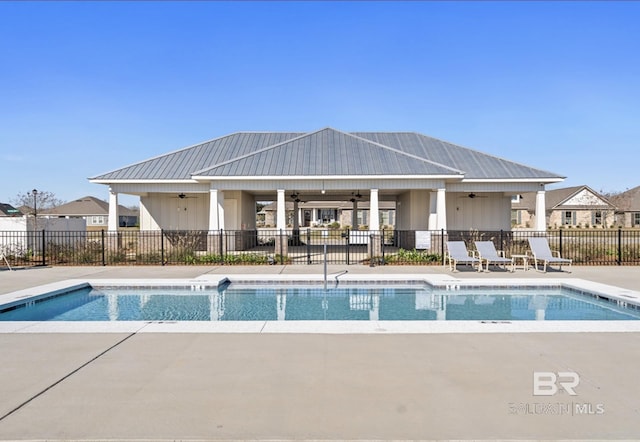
306,246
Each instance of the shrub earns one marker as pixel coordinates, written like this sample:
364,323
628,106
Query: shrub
413,257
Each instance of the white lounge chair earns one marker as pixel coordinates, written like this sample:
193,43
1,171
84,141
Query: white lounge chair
541,252
487,252
3,257
457,253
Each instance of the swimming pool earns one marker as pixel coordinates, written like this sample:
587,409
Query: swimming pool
307,301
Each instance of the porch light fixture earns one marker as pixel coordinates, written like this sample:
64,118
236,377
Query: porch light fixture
182,196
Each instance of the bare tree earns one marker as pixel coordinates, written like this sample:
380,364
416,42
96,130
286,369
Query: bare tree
621,201
40,199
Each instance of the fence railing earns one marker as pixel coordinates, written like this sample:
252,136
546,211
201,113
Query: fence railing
305,246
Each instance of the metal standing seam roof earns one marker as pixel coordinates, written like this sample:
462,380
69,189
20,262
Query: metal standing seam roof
325,152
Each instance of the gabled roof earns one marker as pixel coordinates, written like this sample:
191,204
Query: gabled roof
87,206
570,198
327,152
9,210
629,200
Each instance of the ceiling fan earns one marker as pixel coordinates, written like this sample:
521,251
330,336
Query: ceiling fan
473,195
295,196
355,196
183,196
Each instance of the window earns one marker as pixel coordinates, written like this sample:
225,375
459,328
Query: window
636,219
569,218
97,220
516,218
597,218
328,215
363,217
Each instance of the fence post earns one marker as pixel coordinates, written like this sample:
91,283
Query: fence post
308,246
371,248
44,252
619,245
382,246
221,246
162,246
442,246
502,240
281,249
347,244
103,253
560,243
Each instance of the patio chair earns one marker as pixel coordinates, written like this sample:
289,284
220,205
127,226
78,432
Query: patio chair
541,252
3,257
487,252
457,253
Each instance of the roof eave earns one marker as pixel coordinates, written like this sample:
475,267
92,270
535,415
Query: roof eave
515,180
325,177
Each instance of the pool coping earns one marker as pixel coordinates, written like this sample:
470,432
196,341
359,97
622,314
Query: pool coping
447,282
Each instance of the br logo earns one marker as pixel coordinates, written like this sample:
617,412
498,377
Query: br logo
548,383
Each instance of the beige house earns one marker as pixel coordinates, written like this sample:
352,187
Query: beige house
94,210
628,204
578,206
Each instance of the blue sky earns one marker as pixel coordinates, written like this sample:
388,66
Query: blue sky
86,88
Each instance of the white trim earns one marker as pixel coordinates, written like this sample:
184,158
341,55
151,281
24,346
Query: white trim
327,177
513,180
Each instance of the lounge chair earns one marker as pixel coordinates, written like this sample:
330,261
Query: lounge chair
4,258
457,253
541,252
487,252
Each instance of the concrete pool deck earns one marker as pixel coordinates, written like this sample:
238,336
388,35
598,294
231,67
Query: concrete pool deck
203,386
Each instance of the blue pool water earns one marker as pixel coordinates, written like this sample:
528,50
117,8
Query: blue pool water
270,303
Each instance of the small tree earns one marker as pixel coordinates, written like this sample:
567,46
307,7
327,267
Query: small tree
43,199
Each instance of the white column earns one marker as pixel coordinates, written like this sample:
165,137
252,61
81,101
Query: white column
441,210
541,218
216,209
281,209
433,211
112,224
374,211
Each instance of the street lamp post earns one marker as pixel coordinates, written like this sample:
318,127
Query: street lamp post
35,203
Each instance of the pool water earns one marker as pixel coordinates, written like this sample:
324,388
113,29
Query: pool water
271,303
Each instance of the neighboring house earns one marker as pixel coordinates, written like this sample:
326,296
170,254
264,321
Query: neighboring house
324,213
433,184
628,204
9,210
578,206
94,210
